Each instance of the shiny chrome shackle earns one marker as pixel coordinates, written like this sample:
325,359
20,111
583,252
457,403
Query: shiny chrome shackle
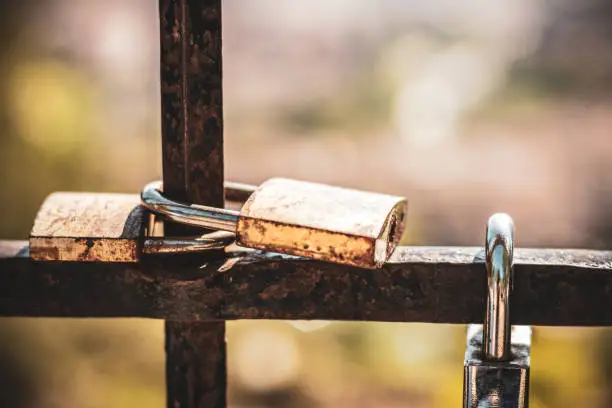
222,220
497,358
499,250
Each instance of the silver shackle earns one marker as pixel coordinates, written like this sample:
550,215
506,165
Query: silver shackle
153,199
499,249
497,361
220,219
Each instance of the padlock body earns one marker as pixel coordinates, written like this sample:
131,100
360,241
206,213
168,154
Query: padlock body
87,227
500,384
322,222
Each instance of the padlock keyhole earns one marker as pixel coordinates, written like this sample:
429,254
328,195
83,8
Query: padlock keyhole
392,228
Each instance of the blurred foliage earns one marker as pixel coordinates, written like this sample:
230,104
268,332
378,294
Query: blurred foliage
364,105
51,101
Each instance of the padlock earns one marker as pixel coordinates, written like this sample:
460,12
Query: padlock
496,367
105,227
301,218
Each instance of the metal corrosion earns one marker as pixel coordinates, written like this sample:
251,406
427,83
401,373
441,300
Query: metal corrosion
192,100
192,158
552,287
322,222
100,227
317,221
87,227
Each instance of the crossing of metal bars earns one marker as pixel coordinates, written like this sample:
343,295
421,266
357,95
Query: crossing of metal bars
192,149
420,284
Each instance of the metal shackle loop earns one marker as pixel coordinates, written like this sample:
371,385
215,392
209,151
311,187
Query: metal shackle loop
499,247
178,245
196,215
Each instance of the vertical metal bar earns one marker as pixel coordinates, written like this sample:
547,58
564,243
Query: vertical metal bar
196,365
192,148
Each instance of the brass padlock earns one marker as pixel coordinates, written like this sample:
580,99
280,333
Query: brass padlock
301,218
496,367
103,227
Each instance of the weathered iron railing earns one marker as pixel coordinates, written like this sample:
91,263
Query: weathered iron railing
421,284
440,285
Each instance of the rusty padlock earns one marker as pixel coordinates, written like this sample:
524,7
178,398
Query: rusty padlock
103,227
496,367
301,218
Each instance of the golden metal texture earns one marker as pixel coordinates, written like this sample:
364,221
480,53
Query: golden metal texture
322,222
87,227
106,228
293,217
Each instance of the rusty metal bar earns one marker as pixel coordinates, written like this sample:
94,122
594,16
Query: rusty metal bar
192,149
192,115
552,287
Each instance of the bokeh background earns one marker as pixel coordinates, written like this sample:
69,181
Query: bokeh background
466,107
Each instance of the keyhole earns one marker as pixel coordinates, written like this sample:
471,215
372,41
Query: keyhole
392,228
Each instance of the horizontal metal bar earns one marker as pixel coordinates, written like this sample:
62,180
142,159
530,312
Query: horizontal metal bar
420,284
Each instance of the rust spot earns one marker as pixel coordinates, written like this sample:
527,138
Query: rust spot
321,222
89,243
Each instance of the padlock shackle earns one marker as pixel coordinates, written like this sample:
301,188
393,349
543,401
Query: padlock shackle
181,245
192,214
238,192
499,247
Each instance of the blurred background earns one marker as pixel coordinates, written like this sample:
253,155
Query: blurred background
466,107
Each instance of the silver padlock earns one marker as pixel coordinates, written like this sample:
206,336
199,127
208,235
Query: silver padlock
293,217
496,367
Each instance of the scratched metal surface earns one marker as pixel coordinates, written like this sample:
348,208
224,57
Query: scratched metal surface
87,227
322,222
321,206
